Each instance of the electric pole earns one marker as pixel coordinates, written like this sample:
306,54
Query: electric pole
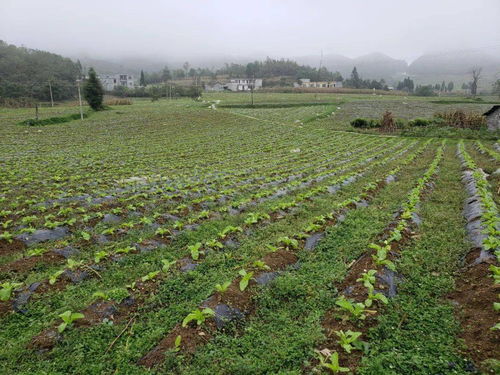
80,98
51,97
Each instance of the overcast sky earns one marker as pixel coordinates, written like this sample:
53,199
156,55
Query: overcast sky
179,29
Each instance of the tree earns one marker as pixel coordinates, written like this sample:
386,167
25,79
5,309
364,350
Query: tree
142,80
450,86
93,91
443,86
165,74
355,81
192,72
476,76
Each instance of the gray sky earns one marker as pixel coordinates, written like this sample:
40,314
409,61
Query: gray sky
179,29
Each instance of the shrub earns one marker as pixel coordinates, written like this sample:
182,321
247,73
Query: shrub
387,124
420,122
52,120
425,91
365,123
461,119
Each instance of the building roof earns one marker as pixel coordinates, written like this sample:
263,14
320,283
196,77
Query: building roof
492,110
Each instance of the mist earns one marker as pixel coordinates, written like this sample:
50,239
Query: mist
174,31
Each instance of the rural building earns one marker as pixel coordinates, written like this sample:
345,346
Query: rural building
216,86
109,82
493,118
243,84
306,82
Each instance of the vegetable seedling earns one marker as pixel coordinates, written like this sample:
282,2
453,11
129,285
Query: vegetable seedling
199,315
68,318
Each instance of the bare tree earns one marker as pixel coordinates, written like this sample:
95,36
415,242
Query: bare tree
476,75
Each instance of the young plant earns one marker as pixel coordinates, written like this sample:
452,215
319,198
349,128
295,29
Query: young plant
214,244
167,264
245,279
163,232
68,318
261,265
36,252
177,344
380,258
221,288
53,278
289,243
100,255
346,339
149,276
6,290
195,250
85,235
331,362
356,309
199,315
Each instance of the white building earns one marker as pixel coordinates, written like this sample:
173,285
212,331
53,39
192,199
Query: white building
109,82
243,84
306,82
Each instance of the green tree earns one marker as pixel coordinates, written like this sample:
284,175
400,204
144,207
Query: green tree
451,85
142,80
355,81
93,91
165,74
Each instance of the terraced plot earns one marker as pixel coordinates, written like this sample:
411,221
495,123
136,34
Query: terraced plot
174,238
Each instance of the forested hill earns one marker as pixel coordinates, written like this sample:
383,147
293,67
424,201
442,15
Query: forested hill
26,73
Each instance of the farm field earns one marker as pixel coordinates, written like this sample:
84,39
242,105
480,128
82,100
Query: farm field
171,237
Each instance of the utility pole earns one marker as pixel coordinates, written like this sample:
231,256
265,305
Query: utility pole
251,87
80,98
51,97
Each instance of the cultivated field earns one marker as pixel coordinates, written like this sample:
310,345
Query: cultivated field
170,237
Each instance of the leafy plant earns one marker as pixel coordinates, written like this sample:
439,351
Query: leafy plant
150,276
221,288
356,309
53,278
199,315
68,318
289,243
261,265
346,339
100,255
167,264
36,252
380,258
331,362
195,250
85,235
6,290
245,279
177,344
214,244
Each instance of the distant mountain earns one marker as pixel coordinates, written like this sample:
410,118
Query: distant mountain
454,63
374,65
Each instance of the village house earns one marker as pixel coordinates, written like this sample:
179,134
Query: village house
306,82
243,84
109,82
493,118
215,86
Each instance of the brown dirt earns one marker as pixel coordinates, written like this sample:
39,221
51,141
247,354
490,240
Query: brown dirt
7,248
280,259
28,263
474,296
192,336
5,308
45,340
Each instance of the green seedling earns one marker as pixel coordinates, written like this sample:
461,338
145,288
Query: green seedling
222,288
149,276
36,252
331,362
6,290
167,264
245,279
7,236
195,250
124,250
72,264
68,318
289,243
368,279
101,294
261,265
347,339
177,344
53,278
214,244
380,258
199,316
356,309
495,273
100,255
85,235
162,232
